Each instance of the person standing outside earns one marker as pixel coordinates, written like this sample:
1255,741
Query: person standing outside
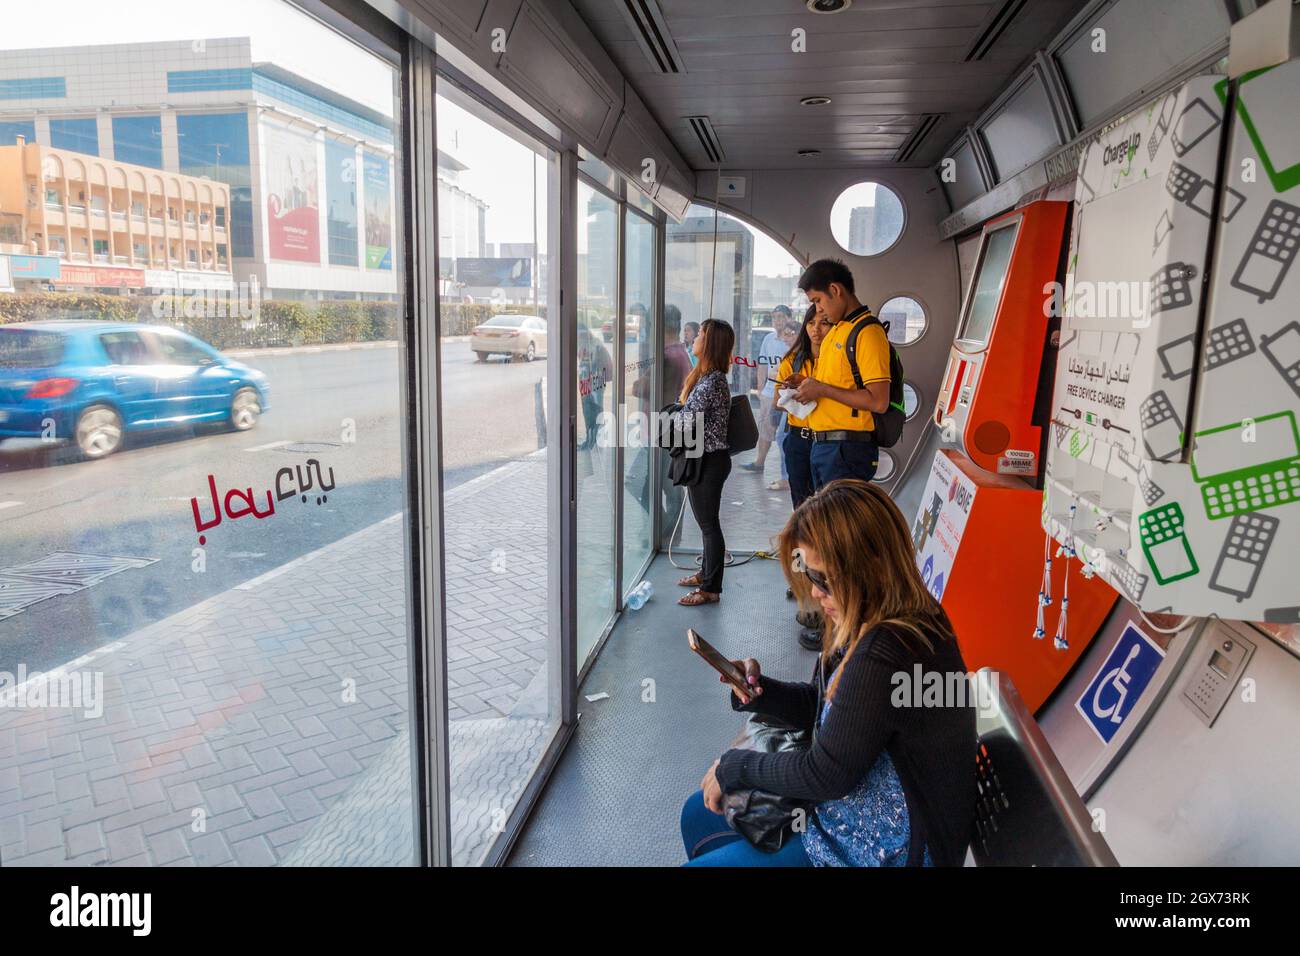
690,332
775,344
842,425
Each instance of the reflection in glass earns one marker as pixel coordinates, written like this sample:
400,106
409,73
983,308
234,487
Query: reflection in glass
494,201
193,491
991,274
639,378
598,323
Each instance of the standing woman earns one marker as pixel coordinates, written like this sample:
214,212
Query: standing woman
797,443
705,394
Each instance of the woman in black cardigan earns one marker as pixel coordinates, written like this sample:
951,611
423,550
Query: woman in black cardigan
892,782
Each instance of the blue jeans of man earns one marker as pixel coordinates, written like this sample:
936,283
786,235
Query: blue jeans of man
842,459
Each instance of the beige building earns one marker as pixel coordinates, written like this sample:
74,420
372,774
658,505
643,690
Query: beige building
107,222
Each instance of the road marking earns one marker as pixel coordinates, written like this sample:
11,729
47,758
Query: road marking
9,504
261,579
268,445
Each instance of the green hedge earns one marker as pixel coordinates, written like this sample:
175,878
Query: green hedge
274,323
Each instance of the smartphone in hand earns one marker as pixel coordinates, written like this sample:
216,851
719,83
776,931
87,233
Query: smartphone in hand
713,657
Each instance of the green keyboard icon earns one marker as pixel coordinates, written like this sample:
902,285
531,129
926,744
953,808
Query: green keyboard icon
1168,552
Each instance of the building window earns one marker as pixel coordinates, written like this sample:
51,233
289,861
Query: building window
138,140
78,135
10,131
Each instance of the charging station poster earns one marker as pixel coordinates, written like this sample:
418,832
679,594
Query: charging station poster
379,222
941,522
292,194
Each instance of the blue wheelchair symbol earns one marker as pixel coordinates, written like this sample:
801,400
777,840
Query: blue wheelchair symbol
1118,684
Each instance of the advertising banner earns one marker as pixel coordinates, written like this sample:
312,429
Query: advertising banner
379,222
941,522
511,273
292,196
34,267
91,276
341,203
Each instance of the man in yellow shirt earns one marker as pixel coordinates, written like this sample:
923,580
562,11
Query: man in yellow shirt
842,425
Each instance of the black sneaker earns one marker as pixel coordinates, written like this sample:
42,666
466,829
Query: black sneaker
810,640
811,619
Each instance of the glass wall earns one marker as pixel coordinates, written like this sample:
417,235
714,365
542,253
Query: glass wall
496,324
599,328
643,322
728,270
203,575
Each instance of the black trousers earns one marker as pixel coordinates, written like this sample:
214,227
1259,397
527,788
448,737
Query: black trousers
706,501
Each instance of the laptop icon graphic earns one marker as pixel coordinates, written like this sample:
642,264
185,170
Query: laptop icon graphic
1237,476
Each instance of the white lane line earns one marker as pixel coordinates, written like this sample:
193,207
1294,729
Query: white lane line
268,445
312,556
9,504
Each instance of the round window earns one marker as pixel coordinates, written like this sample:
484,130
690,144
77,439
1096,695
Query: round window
911,400
906,319
884,467
867,219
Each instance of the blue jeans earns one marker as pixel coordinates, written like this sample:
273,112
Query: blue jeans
842,459
795,453
710,842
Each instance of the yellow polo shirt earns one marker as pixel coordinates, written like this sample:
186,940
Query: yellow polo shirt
783,372
833,369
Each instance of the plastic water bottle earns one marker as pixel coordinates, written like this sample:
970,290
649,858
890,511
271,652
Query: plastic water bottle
640,594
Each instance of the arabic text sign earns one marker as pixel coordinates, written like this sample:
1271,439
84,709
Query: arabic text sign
1118,684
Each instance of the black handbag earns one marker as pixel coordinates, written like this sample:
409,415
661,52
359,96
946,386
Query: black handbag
742,430
765,819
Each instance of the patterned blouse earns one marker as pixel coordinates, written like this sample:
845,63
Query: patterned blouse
710,397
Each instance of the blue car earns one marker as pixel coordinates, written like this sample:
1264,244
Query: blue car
93,382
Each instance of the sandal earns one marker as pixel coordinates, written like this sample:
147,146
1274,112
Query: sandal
693,581
698,597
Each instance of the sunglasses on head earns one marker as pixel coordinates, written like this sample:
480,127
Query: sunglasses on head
816,577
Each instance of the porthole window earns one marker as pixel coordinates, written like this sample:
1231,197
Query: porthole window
906,318
884,467
867,219
911,400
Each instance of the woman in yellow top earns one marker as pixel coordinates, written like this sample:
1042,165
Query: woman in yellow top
796,446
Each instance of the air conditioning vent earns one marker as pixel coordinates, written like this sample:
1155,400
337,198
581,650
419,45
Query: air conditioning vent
651,31
703,130
923,129
993,32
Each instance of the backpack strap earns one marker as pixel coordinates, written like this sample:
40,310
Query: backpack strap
851,347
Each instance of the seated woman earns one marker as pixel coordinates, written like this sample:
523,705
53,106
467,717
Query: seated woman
891,784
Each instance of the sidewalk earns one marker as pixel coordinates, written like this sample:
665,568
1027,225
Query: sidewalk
228,735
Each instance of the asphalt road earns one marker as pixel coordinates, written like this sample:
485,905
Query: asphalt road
137,503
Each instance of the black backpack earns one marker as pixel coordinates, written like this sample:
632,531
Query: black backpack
890,422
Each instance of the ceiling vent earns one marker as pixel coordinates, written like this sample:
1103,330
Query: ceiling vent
651,32
923,129
704,132
1009,10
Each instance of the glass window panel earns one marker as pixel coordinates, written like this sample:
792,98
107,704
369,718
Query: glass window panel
597,229
78,135
867,219
494,204
227,541
747,280
639,392
991,275
906,318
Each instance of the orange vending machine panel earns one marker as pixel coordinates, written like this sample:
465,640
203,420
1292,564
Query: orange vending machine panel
979,545
986,398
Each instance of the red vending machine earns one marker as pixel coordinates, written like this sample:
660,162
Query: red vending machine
978,530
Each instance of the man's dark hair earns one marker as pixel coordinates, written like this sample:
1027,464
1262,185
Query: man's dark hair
672,320
819,276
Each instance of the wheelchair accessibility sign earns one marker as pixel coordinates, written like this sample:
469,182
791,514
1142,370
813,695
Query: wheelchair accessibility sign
1117,686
